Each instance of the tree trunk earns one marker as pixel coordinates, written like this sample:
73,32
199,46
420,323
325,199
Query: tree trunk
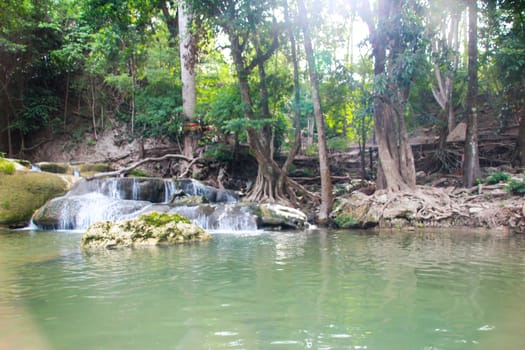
324,166
471,170
521,141
296,103
271,184
187,63
93,104
66,100
396,170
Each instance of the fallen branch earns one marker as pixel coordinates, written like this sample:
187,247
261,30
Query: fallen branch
126,170
318,178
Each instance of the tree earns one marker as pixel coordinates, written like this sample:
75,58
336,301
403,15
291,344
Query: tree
471,170
324,166
445,57
507,48
253,33
187,50
397,45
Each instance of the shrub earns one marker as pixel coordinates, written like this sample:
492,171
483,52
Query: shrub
498,177
6,167
517,187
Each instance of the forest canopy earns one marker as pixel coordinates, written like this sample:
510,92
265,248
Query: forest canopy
78,67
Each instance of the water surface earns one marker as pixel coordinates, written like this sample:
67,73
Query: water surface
280,290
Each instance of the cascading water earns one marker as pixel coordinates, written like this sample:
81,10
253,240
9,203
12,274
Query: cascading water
220,217
123,198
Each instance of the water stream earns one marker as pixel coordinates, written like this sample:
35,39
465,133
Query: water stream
266,290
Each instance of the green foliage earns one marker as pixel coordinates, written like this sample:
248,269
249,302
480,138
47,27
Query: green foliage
497,178
160,219
139,173
219,152
517,187
6,167
311,150
337,144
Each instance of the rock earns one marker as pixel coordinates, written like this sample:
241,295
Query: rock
279,216
55,168
404,208
151,229
25,191
189,200
356,211
458,134
475,210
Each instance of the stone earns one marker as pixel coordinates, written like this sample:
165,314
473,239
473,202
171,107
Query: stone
356,211
153,229
458,134
280,216
25,191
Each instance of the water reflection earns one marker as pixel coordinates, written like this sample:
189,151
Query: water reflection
290,290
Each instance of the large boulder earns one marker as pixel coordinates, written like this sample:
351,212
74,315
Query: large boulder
356,211
151,229
24,191
279,216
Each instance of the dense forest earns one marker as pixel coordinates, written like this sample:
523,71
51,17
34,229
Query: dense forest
281,76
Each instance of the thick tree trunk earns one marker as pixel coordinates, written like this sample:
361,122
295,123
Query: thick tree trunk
396,161
396,170
521,141
471,170
324,166
187,62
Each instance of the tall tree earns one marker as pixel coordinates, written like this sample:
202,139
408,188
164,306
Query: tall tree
445,57
324,166
471,170
253,34
187,49
396,40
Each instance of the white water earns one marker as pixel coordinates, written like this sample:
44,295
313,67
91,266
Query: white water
120,199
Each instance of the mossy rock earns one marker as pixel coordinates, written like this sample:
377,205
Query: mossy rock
151,229
56,168
91,169
23,192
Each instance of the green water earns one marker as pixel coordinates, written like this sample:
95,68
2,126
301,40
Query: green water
318,290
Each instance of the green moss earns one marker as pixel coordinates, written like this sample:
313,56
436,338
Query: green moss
98,168
159,219
55,168
139,173
344,221
24,192
6,167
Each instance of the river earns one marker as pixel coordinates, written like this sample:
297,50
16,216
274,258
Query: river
266,290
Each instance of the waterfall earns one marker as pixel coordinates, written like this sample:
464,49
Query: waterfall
169,190
220,217
118,199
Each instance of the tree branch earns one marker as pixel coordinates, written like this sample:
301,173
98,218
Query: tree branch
126,170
